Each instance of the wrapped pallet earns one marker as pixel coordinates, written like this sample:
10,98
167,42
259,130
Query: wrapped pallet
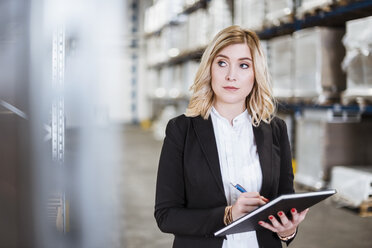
318,53
279,11
197,29
189,72
358,60
322,143
353,184
250,14
220,16
281,66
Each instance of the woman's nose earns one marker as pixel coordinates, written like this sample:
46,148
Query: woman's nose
230,76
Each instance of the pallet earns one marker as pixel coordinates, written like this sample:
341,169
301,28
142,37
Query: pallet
361,101
345,2
365,209
279,21
316,10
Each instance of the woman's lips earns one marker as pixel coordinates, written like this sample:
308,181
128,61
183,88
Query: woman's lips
230,88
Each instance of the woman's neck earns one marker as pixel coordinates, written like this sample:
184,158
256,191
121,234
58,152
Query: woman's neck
229,111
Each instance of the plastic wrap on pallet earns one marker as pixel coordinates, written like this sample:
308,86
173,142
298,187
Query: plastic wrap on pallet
318,55
220,16
161,13
189,72
320,145
353,184
253,12
281,65
359,35
166,77
175,90
279,11
161,122
265,48
197,29
152,76
239,12
189,3
180,36
358,60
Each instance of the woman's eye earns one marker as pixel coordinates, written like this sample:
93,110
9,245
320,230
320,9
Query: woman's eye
221,63
244,66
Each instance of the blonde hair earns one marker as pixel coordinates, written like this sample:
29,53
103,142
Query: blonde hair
260,102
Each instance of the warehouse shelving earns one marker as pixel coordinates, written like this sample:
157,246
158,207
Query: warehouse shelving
342,112
182,57
337,16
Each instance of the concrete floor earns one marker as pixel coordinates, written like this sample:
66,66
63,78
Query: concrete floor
325,226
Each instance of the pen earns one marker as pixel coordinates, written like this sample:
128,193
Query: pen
239,187
242,190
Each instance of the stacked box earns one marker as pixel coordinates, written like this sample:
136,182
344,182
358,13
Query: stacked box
281,66
322,144
353,184
358,60
318,53
279,11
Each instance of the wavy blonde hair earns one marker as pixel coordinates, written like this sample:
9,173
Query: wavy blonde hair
260,102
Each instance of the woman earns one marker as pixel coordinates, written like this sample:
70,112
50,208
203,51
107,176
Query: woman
228,134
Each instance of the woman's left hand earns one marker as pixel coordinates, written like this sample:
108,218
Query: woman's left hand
285,227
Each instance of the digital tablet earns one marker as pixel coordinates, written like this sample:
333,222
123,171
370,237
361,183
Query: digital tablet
285,203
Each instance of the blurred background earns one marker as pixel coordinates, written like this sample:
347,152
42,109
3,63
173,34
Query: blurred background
87,88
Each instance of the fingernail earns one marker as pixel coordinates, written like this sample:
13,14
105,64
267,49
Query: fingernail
293,210
271,217
260,222
280,213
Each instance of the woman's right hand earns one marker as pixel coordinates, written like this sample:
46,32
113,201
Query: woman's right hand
247,202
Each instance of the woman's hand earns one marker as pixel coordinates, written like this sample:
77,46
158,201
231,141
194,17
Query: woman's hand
247,202
285,227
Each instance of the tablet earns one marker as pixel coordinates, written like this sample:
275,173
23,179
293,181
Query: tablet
285,203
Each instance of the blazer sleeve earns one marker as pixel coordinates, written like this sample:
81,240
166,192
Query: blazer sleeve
286,169
171,212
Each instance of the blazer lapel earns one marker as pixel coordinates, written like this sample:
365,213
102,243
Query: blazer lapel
205,134
263,137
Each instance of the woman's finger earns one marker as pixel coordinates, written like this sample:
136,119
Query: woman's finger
295,216
275,222
250,195
284,220
267,226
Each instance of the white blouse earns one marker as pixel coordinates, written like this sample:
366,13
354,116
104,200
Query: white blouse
239,163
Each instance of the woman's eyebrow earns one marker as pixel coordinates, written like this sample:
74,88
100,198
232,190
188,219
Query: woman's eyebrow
245,58
224,56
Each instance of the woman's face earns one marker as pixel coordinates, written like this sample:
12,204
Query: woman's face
232,75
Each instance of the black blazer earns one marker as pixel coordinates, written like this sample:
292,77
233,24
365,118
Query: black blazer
190,199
